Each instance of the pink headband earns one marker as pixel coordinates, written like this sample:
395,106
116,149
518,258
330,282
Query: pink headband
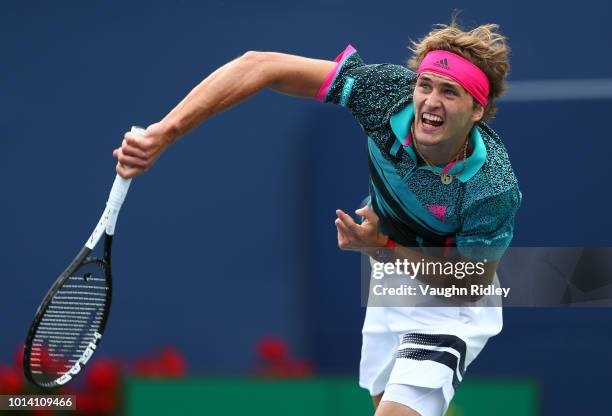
468,75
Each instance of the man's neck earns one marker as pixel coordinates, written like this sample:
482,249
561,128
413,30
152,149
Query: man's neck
442,154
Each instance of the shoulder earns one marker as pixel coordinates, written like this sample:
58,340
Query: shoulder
372,92
381,91
496,177
383,75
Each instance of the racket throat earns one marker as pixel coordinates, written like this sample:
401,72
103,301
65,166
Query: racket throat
108,220
107,223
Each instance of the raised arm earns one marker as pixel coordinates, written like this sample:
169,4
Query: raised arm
229,85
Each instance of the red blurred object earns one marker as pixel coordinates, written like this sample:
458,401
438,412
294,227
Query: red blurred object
145,367
11,380
276,362
172,363
103,375
168,363
19,356
49,361
272,349
301,368
290,368
96,402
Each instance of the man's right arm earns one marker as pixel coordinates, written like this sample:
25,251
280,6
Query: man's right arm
229,85
243,77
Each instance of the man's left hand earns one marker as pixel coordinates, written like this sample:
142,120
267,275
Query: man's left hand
359,237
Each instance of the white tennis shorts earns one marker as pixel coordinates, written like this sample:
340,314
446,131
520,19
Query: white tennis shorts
418,355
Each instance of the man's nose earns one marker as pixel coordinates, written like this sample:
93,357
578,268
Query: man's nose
433,100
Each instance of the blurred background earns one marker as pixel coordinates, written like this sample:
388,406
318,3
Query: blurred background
226,260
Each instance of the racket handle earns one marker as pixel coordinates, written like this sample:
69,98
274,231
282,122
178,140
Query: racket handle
122,185
113,205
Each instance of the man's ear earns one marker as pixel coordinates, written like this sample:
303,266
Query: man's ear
477,112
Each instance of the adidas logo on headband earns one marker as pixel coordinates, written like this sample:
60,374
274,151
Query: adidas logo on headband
442,63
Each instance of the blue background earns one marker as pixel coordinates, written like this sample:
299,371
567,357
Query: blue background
230,237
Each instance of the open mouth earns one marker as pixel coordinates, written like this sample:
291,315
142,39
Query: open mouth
432,120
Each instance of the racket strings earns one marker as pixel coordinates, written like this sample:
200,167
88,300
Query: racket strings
70,323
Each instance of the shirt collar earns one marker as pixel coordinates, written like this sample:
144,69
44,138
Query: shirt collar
400,125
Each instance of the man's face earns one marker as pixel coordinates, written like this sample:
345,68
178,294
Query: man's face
444,111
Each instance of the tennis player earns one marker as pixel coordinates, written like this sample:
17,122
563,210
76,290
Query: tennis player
440,177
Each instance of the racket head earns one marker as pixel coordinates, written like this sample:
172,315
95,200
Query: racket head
70,321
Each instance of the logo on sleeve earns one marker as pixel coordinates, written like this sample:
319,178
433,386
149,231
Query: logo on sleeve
346,91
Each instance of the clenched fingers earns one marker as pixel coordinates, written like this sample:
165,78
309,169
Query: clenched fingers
127,160
132,150
128,171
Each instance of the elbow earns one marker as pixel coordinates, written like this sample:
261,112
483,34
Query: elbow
256,64
256,60
252,57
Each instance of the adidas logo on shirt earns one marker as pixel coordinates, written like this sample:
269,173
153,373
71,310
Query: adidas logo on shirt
443,63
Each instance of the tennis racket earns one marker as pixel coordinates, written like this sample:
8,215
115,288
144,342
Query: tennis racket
70,321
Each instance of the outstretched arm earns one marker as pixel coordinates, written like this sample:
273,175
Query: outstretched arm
229,85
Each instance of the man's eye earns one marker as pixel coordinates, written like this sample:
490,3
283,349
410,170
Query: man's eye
451,92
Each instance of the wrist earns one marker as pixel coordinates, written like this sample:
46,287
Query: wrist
170,130
382,250
384,241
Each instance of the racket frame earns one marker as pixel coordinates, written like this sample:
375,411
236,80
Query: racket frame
106,226
81,259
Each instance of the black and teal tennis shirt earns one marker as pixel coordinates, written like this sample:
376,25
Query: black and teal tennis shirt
475,210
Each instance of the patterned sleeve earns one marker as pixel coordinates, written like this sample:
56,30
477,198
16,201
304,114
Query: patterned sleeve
370,92
488,226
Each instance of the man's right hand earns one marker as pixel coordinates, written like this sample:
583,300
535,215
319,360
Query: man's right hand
136,155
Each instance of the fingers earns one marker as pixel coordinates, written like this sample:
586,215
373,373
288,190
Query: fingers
347,220
362,212
127,172
135,142
131,161
348,231
341,239
134,156
344,240
138,147
132,147
368,213
343,228
138,153
353,236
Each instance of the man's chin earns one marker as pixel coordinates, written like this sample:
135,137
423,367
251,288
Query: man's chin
429,139
428,131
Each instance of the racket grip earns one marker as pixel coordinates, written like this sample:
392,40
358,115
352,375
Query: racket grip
122,185
118,191
113,204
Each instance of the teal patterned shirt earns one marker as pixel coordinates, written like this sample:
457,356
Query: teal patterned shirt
474,211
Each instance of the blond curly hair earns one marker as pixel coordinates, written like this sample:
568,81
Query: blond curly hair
484,46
